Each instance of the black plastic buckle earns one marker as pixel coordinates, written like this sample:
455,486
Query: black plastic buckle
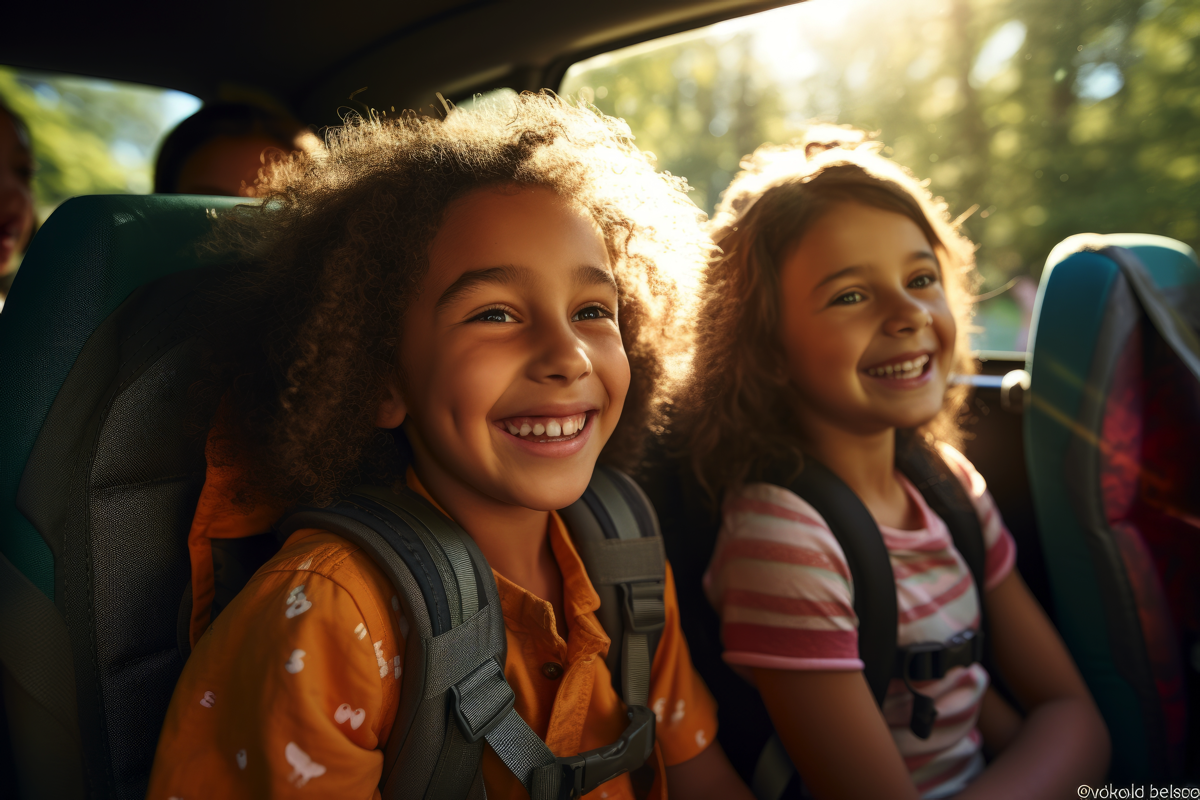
927,661
586,771
643,606
475,696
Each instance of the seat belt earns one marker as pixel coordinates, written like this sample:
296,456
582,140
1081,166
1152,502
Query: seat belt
456,661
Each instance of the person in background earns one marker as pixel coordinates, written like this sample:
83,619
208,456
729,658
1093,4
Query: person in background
16,195
219,149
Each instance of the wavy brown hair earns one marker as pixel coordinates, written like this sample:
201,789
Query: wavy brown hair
739,414
305,333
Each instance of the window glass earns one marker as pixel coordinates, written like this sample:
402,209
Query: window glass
91,136
1052,118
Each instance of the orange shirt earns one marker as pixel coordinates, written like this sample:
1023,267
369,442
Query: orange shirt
292,691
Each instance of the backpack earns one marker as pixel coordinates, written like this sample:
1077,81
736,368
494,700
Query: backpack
99,479
690,530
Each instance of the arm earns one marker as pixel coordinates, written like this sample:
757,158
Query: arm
831,727
1062,741
708,775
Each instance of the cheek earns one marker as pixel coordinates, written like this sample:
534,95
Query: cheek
815,351
945,326
612,367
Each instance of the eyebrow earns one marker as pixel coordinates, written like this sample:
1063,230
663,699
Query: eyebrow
496,276
913,256
585,275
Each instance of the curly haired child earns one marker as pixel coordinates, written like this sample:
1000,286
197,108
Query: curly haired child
508,287
833,320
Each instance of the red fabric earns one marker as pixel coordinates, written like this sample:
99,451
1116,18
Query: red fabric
1150,459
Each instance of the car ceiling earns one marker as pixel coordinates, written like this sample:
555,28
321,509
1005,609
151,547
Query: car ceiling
313,57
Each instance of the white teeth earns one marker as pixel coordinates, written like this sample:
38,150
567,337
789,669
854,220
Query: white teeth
553,428
568,427
525,429
513,429
539,429
906,370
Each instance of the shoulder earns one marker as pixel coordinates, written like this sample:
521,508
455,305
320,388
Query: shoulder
1001,549
317,557
768,533
964,470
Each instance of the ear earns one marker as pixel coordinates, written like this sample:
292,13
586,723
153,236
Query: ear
392,408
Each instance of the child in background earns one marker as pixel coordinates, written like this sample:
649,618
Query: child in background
833,320
508,287
16,194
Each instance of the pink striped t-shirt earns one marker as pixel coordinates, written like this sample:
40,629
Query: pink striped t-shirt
780,582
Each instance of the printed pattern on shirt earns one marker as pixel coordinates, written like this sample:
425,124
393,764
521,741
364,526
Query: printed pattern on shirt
780,582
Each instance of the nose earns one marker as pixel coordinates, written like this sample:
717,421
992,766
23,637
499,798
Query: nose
561,357
906,316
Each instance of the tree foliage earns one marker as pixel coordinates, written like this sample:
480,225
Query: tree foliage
91,136
1052,118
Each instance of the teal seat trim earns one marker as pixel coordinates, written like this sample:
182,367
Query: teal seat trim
1068,317
85,261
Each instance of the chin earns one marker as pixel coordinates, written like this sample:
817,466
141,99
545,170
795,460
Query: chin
550,493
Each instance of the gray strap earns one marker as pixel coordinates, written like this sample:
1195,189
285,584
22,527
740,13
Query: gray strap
615,561
635,668
773,771
456,653
527,756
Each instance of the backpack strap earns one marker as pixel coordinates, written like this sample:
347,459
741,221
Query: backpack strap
615,530
929,473
455,696
870,567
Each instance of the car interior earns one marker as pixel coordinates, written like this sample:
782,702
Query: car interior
1088,437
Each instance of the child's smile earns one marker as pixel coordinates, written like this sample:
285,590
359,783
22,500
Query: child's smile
514,368
867,331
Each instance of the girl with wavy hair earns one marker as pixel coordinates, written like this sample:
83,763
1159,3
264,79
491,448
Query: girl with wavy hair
833,321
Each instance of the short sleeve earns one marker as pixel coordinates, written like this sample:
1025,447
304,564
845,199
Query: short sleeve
686,714
781,585
1001,549
289,692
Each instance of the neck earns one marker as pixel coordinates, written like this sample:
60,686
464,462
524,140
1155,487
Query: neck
866,462
514,539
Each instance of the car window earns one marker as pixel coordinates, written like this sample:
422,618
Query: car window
1052,118
91,136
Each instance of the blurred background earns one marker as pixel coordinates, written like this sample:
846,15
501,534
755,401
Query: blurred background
1053,117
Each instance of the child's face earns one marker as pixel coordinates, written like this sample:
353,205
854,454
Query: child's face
515,373
867,331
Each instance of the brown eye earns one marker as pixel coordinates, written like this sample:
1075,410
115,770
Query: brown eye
921,282
494,315
591,312
848,299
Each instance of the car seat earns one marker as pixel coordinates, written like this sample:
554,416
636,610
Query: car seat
100,470
1112,439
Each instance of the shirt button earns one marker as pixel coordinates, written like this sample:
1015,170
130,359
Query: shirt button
552,670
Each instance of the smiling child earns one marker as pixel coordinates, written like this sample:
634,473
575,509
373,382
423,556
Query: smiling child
835,317
502,289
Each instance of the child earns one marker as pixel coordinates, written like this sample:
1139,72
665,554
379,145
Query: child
505,285
16,194
834,318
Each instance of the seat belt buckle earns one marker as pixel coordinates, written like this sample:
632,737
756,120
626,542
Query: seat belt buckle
584,772
643,606
481,700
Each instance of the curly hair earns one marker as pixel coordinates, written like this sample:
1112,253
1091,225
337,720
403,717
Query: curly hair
781,192
306,331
